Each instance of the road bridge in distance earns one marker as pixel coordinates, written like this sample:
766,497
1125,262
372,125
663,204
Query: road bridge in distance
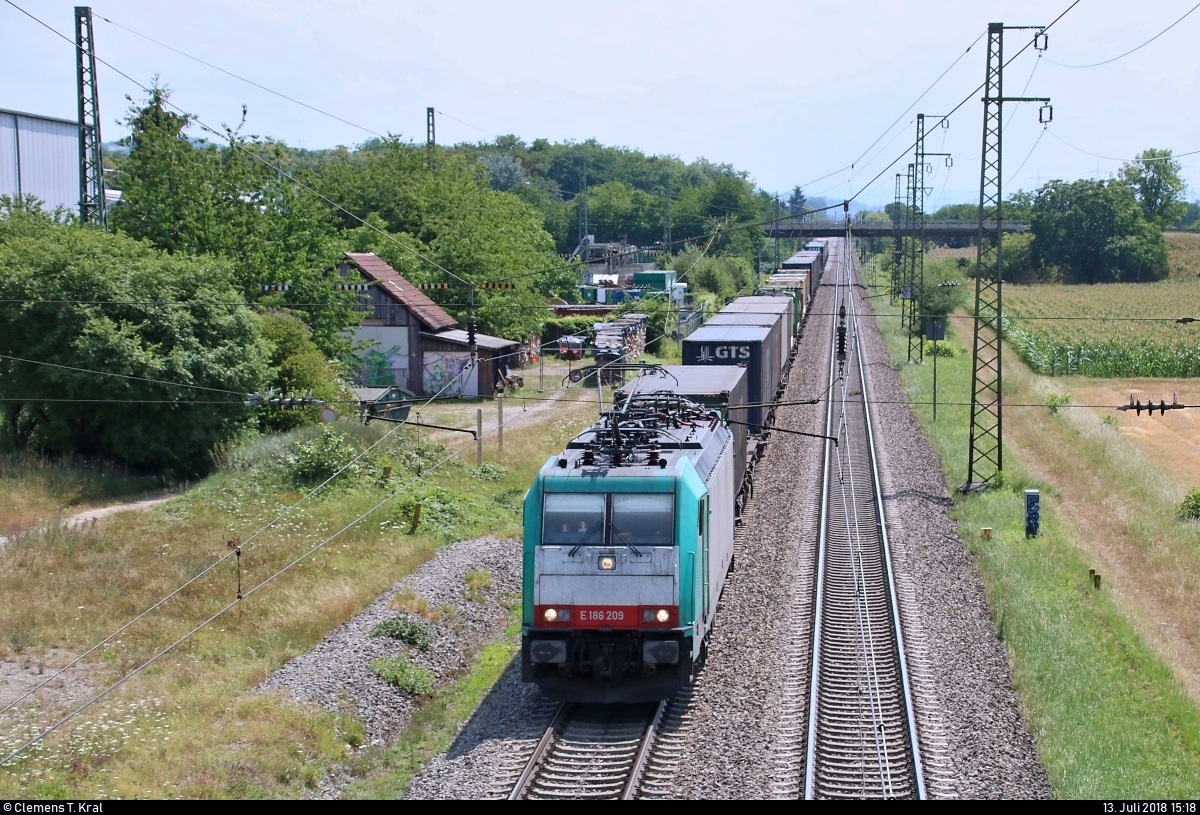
793,228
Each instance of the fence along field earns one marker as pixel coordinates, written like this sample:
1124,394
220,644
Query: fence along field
1107,344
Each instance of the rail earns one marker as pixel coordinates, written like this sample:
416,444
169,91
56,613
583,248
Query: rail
861,739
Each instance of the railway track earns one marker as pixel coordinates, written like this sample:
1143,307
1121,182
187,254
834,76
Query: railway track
861,739
596,752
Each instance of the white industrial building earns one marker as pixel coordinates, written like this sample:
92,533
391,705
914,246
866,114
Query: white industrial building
39,155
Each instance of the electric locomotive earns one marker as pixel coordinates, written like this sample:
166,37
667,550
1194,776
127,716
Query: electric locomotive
628,538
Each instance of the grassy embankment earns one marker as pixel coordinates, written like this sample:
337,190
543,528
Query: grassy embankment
34,490
187,727
1110,717
1184,254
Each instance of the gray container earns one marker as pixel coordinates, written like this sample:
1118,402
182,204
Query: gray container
714,386
772,321
784,307
756,346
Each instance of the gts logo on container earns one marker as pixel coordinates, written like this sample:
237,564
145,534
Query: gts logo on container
724,352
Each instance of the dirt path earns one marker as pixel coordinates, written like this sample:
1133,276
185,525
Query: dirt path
97,513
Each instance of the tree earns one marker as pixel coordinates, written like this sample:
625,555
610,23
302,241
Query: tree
194,198
955,212
796,201
944,289
78,298
1095,232
618,208
1154,176
1190,216
299,367
504,171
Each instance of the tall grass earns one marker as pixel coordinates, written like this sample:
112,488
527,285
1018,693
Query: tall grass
68,588
1109,718
35,489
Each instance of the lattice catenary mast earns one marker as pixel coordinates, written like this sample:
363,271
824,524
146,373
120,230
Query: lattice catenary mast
91,162
985,453
916,265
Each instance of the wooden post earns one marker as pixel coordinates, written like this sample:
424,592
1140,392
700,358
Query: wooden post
500,423
416,519
479,437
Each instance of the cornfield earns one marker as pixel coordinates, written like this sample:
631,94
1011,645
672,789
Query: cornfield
1088,330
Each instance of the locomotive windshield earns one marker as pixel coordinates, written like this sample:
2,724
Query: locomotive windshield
601,519
573,519
643,520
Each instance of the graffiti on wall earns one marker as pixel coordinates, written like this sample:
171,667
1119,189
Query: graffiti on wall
382,369
444,369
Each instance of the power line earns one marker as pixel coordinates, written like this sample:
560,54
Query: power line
1127,53
967,98
122,376
243,79
1013,177
237,146
468,124
1171,157
243,595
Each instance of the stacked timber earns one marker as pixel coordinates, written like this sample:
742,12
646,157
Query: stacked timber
624,338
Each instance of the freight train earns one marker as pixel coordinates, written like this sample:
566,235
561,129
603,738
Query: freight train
628,533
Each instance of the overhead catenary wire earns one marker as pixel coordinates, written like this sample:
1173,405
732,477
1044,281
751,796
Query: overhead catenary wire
240,78
1131,50
286,511
226,557
234,144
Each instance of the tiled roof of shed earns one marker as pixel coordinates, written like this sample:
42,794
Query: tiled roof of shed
427,311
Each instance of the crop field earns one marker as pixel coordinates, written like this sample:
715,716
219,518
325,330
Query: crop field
1109,330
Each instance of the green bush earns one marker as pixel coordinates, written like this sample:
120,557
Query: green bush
442,511
940,348
488,472
314,461
404,674
416,633
1057,400
1189,509
87,299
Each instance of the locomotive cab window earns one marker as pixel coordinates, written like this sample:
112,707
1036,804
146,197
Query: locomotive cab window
573,519
643,520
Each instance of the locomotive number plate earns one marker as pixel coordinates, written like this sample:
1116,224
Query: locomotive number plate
606,616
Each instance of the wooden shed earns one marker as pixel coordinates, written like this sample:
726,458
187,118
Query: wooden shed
496,356
413,343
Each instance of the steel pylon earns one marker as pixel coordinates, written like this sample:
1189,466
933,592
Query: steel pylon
91,162
985,456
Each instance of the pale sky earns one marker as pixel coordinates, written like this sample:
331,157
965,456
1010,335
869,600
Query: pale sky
788,92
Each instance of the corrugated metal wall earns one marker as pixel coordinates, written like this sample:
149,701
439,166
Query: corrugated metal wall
40,156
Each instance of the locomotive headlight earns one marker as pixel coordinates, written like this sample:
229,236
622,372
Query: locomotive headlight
557,615
607,564
663,615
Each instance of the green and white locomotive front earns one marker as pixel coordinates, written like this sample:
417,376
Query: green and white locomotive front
619,566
